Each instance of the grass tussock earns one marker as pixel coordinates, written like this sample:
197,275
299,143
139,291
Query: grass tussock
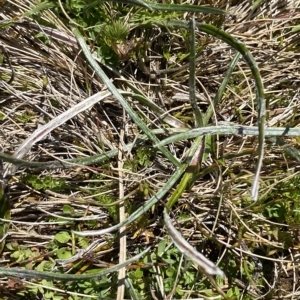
98,168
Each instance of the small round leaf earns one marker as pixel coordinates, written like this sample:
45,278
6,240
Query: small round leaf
63,237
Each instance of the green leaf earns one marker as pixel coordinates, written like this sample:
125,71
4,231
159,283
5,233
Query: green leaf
161,247
55,297
189,277
169,261
63,237
63,253
47,283
47,182
83,242
36,9
17,254
137,274
179,290
48,294
296,28
45,266
116,32
68,209
171,271
168,284
230,293
12,246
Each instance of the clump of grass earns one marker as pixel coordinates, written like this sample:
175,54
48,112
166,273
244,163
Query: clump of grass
250,242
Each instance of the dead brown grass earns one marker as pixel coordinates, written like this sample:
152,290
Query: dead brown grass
50,76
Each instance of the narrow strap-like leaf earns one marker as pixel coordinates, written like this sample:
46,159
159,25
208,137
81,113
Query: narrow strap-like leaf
30,274
136,119
190,252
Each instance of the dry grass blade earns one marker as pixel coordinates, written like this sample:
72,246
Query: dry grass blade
187,250
41,132
122,212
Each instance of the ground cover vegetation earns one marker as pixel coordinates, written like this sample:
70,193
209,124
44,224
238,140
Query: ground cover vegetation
125,125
